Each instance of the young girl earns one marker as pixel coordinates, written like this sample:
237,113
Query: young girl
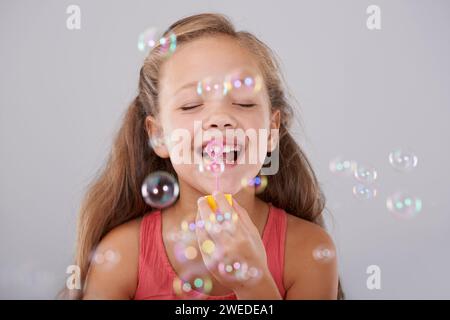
126,249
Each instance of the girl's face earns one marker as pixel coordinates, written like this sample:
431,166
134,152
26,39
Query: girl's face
230,102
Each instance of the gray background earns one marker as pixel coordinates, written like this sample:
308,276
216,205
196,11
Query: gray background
362,93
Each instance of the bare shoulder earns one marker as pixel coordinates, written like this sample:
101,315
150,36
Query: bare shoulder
113,271
310,270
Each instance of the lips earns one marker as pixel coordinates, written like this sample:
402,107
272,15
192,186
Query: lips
223,153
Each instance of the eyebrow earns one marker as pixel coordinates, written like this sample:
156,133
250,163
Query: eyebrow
186,86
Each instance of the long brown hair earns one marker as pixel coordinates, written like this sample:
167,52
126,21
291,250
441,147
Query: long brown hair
114,196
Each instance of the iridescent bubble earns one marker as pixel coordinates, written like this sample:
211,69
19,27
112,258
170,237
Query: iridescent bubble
403,160
160,189
192,281
168,44
111,256
361,191
200,224
180,252
147,39
323,253
253,272
258,182
242,273
404,206
176,285
211,88
213,158
187,287
239,270
243,84
107,257
98,258
190,253
198,282
208,247
365,174
342,166
184,226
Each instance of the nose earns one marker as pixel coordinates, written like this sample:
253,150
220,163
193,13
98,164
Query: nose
219,118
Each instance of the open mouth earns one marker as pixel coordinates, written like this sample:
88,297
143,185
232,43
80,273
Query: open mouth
221,153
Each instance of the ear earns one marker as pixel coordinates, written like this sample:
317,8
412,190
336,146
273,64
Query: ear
156,137
273,137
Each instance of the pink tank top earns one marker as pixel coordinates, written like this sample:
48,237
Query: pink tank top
156,274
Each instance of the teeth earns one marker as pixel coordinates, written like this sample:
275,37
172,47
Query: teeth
227,148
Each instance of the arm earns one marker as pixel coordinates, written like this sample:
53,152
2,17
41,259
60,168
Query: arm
115,274
308,275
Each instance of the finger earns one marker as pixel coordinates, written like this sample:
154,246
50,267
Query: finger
208,216
243,216
203,208
210,250
222,202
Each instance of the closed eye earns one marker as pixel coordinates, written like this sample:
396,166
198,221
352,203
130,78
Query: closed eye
190,107
245,105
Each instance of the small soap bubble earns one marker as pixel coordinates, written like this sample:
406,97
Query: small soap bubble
190,253
361,191
342,166
211,88
365,174
243,84
404,206
403,160
323,253
160,189
258,182
147,39
208,247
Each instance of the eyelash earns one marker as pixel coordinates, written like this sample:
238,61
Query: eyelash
190,107
244,105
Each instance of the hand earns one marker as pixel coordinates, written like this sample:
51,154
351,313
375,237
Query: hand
230,244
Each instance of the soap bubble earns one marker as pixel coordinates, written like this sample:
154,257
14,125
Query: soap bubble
323,253
361,191
239,270
147,39
160,189
168,44
208,247
213,159
404,206
190,252
342,166
365,174
192,284
258,182
211,88
403,160
107,258
243,84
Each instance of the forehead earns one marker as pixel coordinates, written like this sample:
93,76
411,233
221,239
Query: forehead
211,56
